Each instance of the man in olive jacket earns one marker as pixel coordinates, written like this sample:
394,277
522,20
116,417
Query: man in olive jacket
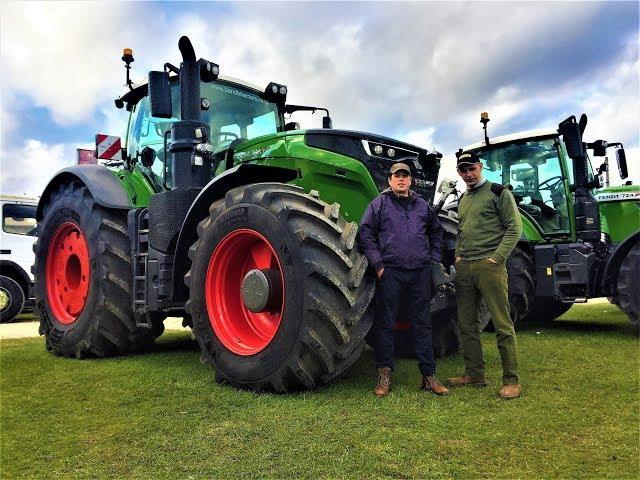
489,230
401,236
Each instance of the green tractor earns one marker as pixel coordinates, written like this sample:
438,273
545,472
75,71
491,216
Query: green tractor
581,238
218,211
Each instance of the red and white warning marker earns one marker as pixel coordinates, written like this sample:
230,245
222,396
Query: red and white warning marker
108,147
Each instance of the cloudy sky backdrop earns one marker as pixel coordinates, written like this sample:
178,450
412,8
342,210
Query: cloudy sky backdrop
420,72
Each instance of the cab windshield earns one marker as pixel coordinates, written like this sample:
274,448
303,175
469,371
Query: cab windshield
235,112
531,168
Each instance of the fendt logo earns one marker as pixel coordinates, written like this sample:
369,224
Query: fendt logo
616,197
108,147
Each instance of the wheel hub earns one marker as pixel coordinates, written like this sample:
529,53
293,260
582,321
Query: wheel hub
5,299
260,289
67,273
244,292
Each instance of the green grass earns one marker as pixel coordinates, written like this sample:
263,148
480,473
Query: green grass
160,415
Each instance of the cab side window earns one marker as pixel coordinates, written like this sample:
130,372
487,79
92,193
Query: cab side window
148,131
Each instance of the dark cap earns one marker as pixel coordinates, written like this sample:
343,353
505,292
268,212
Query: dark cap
396,167
467,158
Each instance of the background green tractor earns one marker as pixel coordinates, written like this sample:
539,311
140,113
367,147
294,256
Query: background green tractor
580,240
218,211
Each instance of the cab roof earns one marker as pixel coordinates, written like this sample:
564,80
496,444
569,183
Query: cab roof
140,90
513,137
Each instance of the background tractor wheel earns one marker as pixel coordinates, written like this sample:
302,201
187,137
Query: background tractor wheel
546,309
83,278
278,291
522,288
11,299
628,286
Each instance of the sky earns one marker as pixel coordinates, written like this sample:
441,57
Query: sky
420,72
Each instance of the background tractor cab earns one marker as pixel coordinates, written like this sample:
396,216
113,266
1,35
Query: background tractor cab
580,235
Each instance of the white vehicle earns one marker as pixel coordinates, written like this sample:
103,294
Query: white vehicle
16,255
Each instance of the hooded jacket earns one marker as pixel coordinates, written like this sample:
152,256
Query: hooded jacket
396,235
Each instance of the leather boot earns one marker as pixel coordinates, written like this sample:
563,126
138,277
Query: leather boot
384,382
510,391
466,380
430,384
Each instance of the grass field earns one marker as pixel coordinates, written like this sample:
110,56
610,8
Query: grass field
160,415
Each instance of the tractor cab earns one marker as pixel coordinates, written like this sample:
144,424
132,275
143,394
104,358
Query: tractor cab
530,166
234,111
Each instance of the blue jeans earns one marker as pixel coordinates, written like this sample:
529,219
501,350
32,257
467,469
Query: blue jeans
414,287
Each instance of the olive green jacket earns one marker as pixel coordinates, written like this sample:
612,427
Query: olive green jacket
490,225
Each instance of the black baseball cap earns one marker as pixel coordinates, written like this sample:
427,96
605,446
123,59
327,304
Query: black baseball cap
467,158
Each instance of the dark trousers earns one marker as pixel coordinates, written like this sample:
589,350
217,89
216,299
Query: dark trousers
414,287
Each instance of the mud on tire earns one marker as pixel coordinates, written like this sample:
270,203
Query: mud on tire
105,325
326,289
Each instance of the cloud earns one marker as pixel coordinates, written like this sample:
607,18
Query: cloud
421,72
27,169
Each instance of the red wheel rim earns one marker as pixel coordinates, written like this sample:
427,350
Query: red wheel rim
242,331
67,273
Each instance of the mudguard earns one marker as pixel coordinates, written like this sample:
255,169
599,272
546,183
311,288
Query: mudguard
242,174
104,186
613,264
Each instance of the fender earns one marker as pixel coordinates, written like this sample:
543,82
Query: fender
614,262
104,186
242,174
16,272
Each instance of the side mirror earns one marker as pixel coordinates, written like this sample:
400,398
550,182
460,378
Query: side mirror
326,122
160,95
570,132
291,126
622,162
147,156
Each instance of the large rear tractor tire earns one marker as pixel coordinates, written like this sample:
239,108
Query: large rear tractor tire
628,286
278,290
83,278
11,299
522,288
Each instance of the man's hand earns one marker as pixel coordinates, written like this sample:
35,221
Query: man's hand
458,259
380,272
492,261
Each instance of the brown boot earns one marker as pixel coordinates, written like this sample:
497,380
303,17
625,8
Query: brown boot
466,380
430,384
510,391
384,382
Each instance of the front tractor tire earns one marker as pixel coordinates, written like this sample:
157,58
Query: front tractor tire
83,278
278,290
628,287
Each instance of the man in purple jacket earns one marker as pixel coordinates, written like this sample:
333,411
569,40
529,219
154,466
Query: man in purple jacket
401,237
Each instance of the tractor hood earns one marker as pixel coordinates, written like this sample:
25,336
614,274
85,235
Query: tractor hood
619,211
377,153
